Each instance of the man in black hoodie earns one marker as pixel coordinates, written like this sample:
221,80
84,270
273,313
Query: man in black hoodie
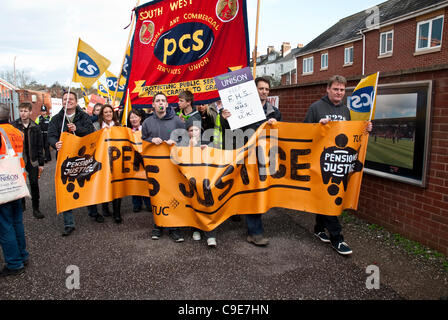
161,128
331,108
76,122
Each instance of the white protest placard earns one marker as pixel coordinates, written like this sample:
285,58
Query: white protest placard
56,106
239,95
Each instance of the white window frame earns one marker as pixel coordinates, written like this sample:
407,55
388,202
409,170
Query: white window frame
430,21
345,55
384,51
322,59
305,65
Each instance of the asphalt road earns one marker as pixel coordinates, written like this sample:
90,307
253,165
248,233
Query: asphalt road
122,262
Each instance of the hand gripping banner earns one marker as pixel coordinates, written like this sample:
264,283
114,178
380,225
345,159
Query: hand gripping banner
307,167
181,45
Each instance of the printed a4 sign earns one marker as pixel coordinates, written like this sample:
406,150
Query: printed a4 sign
182,45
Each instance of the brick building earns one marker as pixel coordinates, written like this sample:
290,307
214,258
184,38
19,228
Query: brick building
406,40
37,100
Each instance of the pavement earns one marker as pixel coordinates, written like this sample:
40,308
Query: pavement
121,262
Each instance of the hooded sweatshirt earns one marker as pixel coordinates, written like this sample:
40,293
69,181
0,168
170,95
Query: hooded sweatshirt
324,108
154,127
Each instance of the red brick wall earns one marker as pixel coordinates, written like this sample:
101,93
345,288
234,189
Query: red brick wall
418,213
42,98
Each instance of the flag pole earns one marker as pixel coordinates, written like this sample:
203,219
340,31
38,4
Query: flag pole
374,97
69,87
254,57
126,48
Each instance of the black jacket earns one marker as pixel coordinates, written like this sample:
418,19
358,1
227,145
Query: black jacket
270,112
35,144
82,121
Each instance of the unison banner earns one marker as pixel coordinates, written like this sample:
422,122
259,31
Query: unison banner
181,45
307,167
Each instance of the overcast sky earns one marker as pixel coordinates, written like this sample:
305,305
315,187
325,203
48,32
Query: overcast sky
43,34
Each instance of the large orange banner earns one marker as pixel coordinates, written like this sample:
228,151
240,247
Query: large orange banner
306,167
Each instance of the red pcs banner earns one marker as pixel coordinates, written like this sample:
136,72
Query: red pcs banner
182,44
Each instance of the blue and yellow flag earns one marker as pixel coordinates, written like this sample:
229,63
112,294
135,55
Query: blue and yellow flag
102,91
84,95
89,66
111,82
362,102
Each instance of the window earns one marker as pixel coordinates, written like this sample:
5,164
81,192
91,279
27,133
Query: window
308,65
386,42
348,55
324,61
429,33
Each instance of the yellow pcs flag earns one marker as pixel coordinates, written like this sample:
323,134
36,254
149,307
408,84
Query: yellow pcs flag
111,82
84,95
89,66
102,91
362,102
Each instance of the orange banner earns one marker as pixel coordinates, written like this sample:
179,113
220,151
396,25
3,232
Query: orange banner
306,167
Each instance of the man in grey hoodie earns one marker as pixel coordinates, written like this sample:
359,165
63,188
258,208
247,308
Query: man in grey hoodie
158,129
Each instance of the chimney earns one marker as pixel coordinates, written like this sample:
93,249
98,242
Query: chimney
286,48
300,45
270,49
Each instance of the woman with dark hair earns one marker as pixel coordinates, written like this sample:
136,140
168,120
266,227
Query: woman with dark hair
108,119
135,120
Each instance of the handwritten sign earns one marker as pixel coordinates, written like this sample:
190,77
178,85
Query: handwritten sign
239,95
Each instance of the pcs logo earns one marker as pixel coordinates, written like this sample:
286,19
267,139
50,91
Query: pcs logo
79,168
361,100
183,44
337,164
86,67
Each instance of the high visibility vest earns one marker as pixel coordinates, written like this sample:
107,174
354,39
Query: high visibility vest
217,133
12,137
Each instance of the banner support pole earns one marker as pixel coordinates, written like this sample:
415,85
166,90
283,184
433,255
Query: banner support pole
126,48
254,57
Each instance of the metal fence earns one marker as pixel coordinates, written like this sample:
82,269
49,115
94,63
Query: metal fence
11,99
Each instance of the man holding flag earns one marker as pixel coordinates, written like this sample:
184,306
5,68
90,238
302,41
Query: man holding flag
89,66
331,108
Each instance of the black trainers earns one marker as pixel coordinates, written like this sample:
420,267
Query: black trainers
11,272
322,236
68,231
176,235
156,234
98,218
37,214
342,248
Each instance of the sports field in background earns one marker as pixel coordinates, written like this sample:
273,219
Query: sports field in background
400,154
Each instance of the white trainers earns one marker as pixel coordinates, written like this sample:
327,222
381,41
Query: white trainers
196,236
211,242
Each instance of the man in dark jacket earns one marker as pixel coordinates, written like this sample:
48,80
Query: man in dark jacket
254,223
32,153
44,121
77,122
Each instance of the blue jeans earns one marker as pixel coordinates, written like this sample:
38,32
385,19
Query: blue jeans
69,221
137,201
12,234
254,224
